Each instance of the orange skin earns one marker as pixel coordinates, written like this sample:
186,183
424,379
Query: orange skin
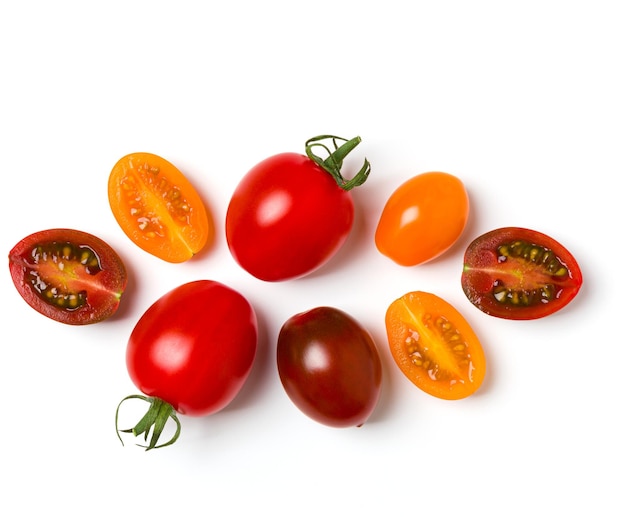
423,218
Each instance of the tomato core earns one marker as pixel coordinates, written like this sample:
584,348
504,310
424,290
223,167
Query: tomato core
56,273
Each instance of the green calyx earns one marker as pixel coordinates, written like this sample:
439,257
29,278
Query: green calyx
333,162
157,416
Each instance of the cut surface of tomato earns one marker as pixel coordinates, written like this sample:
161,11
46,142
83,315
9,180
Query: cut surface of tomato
519,274
68,275
158,208
434,346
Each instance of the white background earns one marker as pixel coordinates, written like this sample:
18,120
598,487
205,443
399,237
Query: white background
525,102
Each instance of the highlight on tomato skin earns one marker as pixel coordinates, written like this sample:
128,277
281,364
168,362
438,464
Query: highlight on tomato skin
68,275
158,208
434,346
423,218
519,274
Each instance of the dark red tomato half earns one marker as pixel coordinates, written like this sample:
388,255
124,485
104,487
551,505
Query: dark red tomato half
329,367
194,347
68,275
291,213
519,274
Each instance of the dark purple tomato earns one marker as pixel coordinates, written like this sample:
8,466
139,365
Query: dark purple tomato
329,366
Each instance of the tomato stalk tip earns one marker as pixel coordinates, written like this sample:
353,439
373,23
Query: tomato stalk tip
155,418
334,161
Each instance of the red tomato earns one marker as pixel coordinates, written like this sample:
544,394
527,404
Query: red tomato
434,346
519,274
67,275
329,367
158,208
191,352
291,213
423,218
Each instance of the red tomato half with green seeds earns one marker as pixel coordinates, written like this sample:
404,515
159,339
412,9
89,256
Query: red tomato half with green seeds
190,353
291,213
519,274
68,275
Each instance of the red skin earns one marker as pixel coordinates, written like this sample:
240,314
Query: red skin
287,217
194,347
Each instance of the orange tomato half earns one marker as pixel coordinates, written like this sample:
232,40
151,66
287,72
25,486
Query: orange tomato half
423,218
158,208
434,346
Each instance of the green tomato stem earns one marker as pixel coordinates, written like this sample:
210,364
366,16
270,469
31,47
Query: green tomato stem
334,161
155,418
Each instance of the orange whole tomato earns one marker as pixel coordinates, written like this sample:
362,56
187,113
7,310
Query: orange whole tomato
434,346
158,208
423,218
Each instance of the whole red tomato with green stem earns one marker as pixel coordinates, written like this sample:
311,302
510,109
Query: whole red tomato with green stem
291,213
190,353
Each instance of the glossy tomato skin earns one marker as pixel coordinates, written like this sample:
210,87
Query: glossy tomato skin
194,347
519,274
158,208
329,367
434,346
287,217
68,275
422,218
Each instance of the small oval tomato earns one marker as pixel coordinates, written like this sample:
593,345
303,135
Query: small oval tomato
191,353
519,274
422,218
68,275
434,346
291,213
158,208
329,367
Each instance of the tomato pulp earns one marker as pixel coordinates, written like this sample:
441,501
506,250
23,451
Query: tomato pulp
422,218
519,274
68,275
291,213
434,346
329,367
158,208
192,350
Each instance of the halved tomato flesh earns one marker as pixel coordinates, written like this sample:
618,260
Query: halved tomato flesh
158,208
67,275
520,274
434,346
